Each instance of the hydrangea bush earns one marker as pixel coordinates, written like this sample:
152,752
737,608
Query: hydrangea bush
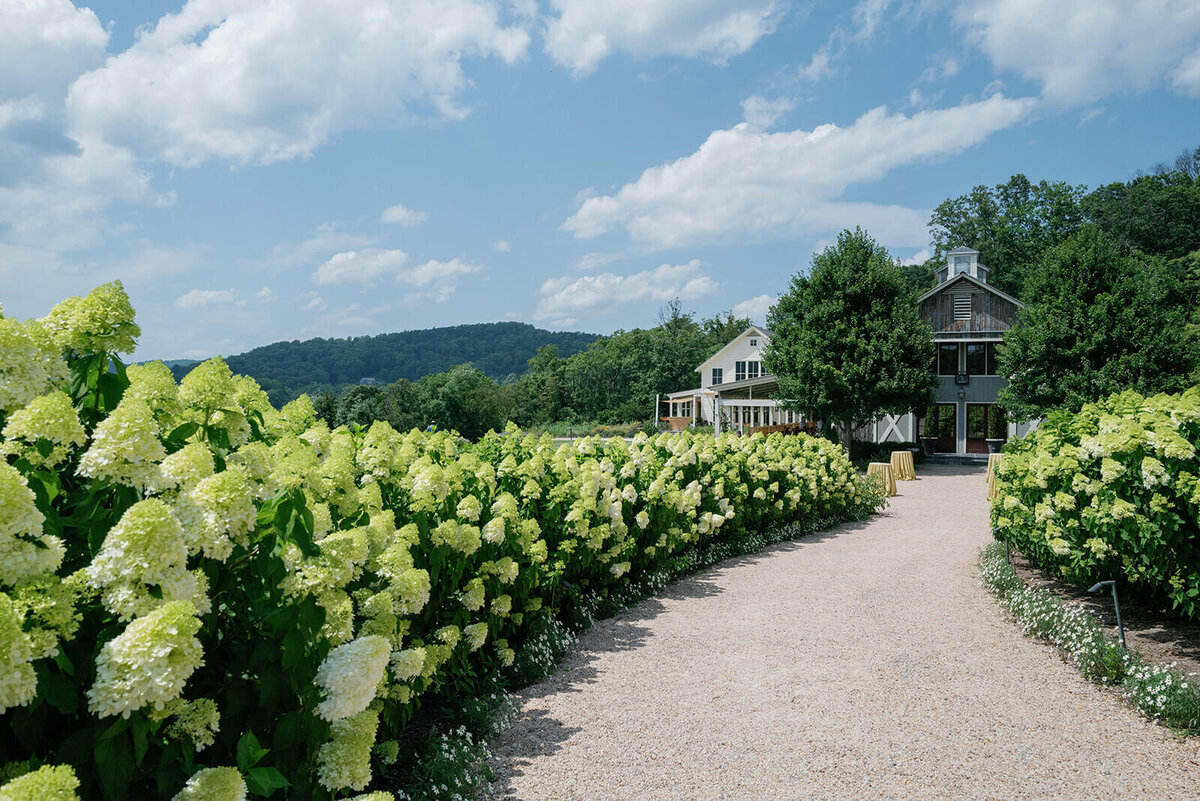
204,597
1112,492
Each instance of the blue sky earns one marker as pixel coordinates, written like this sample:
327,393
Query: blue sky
257,171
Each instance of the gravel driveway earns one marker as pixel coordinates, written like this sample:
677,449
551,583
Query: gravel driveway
865,662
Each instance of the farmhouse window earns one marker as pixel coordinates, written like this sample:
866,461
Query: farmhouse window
752,369
718,375
948,358
976,358
962,307
739,371
754,343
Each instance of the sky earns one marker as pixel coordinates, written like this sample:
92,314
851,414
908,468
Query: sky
261,171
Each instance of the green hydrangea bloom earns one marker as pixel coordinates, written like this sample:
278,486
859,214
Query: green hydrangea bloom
101,322
148,663
213,784
345,761
47,783
31,363
51,418
125,447
18,683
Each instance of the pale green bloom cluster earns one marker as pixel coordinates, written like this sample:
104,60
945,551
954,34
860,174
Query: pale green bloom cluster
125,448
213,784
148,664
51,418
1107,492
18,683
47,783
196,721
24,550
31,363
350,675
345,761
143,563
100,322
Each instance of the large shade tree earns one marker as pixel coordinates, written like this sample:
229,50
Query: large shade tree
1098,322
849,344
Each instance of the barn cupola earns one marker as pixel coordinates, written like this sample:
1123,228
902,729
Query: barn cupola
962,260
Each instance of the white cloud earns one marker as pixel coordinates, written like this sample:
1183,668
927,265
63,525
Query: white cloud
563,299
920,257
324,240
755,308
581,33
760,113
205,297
44,44
1081,52
593,261
403,215
365,267
360,266
254,83
501,245
265,295
315,303
743,184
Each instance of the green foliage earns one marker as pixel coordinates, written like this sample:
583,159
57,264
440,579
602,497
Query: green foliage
286,369
1111,492
848,342
1098,322
1156,214
1011,225
465,400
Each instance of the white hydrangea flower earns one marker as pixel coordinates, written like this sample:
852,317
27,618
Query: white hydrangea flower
18,683
217,512
47,783
145,549
213,784
186,466
350,675
31,363
475,635
408,664
345,761
20,527
125,448
49,417
148,663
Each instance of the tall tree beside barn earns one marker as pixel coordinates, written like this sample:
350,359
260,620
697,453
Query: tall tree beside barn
1097,322
848,344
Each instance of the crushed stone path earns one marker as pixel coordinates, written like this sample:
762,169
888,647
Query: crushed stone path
864,662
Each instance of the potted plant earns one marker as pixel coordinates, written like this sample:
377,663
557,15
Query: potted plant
997,429
930,436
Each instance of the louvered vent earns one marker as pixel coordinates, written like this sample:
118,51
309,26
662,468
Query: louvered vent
962,307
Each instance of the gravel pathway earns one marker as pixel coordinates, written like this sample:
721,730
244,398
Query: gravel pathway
865,662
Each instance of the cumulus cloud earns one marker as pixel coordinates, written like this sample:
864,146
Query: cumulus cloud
760,113
1081,52
746,184
582,33
563,299
205,297
45,44
365,267
501,245
755,308
403,215
920,257
360,266
265,295
266,82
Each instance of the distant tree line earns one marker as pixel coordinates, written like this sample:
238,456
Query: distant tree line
614,380
320,366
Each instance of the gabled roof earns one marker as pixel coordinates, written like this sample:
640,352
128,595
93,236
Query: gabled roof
970,279
754,329
960,250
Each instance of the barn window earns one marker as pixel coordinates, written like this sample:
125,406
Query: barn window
962,307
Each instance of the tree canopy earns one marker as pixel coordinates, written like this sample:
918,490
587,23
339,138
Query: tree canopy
849,344
1099,321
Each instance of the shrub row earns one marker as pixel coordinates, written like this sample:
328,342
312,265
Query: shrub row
201,595
1111,492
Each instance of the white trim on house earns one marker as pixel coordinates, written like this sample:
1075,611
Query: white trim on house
972,279
716,356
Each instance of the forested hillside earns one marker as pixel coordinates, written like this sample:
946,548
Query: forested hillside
316,366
